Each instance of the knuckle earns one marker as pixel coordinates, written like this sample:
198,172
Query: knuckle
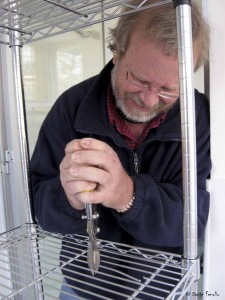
74,171
70,187
101,174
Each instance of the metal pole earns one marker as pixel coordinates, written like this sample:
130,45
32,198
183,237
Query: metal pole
188,132
15,44
20,104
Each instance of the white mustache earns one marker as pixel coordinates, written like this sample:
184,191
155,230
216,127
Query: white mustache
135,98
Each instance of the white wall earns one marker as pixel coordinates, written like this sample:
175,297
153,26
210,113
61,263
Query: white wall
216,10
214,266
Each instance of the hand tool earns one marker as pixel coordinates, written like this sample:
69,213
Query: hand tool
93,254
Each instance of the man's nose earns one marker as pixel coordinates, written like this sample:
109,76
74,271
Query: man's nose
149,97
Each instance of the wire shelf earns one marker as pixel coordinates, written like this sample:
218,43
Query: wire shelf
30,268
38,19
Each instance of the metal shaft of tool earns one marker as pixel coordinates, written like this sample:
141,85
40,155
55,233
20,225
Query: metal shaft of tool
93,255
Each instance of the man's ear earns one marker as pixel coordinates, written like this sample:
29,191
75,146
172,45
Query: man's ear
115,57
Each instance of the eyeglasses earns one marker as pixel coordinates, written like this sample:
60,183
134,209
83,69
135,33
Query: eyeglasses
144,86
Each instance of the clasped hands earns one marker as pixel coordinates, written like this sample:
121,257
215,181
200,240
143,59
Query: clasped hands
92,165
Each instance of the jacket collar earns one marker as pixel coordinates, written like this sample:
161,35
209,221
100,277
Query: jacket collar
92,116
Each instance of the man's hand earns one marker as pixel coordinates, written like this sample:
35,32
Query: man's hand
92,165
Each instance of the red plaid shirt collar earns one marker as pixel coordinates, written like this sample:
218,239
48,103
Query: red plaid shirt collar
116,120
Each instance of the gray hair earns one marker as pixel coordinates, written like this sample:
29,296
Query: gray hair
158,24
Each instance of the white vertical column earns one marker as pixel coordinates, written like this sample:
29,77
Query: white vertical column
12,204
214,258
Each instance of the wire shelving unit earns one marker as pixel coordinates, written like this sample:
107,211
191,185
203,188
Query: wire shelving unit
27,269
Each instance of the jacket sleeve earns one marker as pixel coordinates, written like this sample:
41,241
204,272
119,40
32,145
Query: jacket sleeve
52,210
156,217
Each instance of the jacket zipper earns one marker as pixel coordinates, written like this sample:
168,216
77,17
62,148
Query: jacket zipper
136,162
135,156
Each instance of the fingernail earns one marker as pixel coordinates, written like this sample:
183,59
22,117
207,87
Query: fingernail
85,142
90,188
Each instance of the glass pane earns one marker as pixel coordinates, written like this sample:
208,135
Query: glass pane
53,65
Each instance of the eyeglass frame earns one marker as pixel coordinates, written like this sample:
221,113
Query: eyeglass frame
145,87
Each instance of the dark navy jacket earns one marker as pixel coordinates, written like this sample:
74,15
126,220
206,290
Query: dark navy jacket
156,217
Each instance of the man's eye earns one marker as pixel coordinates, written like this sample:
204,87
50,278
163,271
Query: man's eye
166,90
144,82
138,80
141,81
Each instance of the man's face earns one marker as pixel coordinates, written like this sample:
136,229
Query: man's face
146,64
